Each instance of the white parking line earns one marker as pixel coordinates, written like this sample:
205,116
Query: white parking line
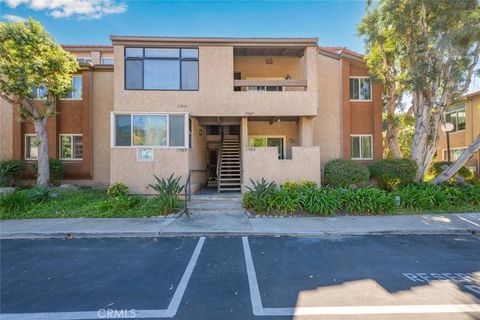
259,310
170,312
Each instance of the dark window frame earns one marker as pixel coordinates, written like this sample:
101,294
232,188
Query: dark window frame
143,58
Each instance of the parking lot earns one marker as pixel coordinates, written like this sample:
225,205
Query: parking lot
374,277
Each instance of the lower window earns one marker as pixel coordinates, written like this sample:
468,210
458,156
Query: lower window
31,146
362,147
455,153
71,147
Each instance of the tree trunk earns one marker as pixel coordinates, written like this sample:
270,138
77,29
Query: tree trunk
458,164
392,140
43,175
425,139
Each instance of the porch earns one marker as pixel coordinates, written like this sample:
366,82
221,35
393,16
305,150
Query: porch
240,149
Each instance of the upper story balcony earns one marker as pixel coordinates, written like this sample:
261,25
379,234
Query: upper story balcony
271,69
216,77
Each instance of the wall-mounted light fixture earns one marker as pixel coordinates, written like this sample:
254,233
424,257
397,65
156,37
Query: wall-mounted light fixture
200,132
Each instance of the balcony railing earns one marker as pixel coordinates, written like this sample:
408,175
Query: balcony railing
270,85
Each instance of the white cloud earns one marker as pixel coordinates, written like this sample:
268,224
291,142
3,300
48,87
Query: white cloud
13,18
84,9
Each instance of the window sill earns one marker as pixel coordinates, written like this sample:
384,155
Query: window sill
70,99
360,100
361,159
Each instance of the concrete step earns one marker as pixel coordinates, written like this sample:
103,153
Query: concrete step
216,197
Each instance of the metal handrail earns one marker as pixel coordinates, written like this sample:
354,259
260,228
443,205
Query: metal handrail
219,164
188,193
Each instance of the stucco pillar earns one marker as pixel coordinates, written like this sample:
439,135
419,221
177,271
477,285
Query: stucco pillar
306,131
96,57
244,133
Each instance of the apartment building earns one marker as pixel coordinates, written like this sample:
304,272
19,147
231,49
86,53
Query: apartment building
465,117
215,111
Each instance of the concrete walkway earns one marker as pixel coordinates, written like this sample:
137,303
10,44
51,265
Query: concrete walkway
238,223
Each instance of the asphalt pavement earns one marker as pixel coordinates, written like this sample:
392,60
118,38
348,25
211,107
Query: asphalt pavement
255,277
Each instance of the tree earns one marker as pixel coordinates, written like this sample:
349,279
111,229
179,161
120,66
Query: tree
406,131
385,64
439,47
30,59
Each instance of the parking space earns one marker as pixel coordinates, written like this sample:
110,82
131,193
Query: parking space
88,277
363,275
376,277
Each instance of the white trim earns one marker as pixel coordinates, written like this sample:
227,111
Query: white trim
458,109
73,150
360,77
25,145
132,114
271,136
361,135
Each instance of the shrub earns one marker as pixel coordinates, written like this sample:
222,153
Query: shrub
342,173
287,199
321,200
11,169
367,200
438,167
168,191
38,194
57,170
14,201
120,203
424,196
472,193
259,196
117,190
391,173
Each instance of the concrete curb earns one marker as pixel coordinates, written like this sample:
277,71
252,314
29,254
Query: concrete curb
337,233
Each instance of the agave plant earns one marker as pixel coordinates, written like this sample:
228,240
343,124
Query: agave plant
167,187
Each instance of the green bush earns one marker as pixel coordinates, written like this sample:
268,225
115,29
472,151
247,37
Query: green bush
325,201
259,196
391,173
438,167
117,190
57,169
120,203
424,196
14,201
343,173
38,194
11,169
287,199
367,200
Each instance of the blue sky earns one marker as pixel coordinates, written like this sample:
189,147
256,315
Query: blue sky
92,21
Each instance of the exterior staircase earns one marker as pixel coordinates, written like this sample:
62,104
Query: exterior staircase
229,175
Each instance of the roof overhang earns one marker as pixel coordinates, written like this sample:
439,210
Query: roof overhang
213,41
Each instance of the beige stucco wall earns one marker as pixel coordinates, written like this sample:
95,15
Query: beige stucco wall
327,125
102,105
255,66
138,174
215,96
6,130
288,129
261,163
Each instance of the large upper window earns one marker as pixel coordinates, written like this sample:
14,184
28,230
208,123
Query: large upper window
40,92
161,69
457,118
362,147
150,130
360,88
